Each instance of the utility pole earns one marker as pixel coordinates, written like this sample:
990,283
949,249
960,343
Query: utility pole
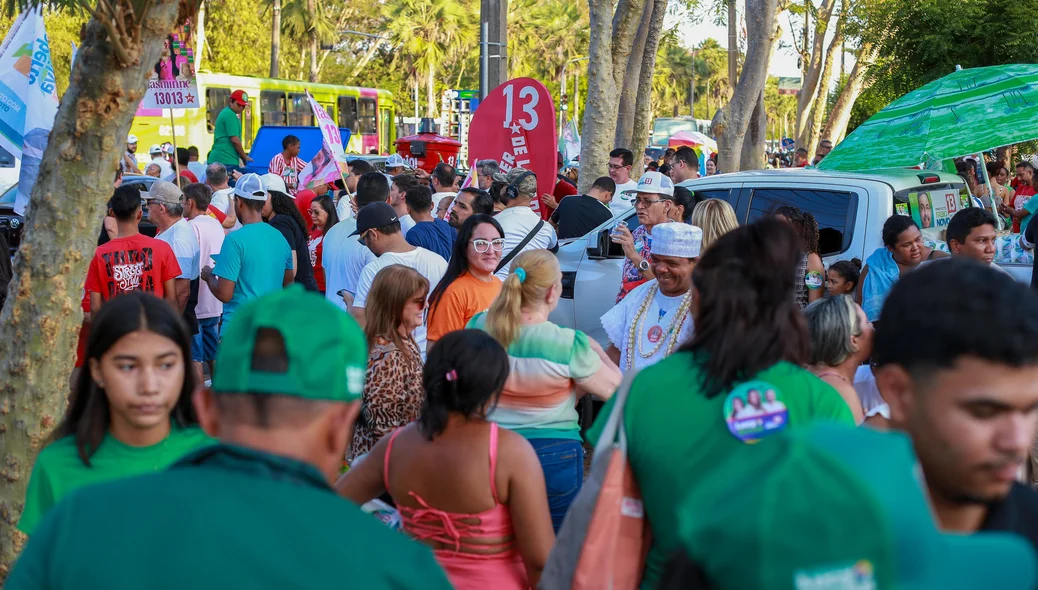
275,39
692,88
493,45
733,46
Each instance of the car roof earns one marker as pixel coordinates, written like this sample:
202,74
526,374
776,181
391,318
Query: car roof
897,178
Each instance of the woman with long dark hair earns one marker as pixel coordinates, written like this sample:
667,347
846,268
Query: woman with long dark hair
469,285
322,211
281,213
131,410
750,336
487,521
810,272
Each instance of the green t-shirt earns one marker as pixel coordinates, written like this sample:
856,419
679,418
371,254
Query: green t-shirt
677,436
227,126
255,258
1030,206
59,470
223,517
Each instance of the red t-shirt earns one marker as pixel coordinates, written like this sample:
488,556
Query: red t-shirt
303,200
316,248
562,189
188,174
134,263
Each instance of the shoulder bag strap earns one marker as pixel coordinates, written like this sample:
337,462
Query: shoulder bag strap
519,247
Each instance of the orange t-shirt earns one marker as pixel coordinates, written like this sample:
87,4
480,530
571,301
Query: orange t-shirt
462,300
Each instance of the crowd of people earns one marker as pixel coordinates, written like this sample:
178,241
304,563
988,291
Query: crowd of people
280,355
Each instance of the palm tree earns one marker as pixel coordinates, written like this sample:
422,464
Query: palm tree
311,22
429,32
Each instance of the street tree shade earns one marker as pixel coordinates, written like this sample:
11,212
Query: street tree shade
40,321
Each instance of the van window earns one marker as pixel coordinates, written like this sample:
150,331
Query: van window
368,122
715,193
833,210
299,112
348,113
215,100
272,107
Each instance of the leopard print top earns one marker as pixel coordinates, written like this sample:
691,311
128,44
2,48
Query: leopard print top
393,394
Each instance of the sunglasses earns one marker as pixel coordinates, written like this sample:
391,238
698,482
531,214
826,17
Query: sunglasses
420,302
482,245
647,202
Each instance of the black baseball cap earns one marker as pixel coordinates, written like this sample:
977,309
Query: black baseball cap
374,215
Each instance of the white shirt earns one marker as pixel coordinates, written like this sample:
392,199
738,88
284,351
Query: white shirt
343,209
623,196
167,168
654,325
437,197
429,264
181,238
518,222
223,200
406,223
339,249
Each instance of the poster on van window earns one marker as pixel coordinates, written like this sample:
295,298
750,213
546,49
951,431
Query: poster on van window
931,209
172,84
330,162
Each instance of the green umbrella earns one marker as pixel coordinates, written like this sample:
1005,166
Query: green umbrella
966,112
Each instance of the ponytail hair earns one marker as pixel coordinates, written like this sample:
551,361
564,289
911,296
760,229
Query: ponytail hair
464,374
533,273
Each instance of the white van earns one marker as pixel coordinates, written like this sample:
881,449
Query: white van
850,209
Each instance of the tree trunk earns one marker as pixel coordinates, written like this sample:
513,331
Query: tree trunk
814,128
311,6
275,39
430,107
643,109
632,79
754,144
612,35
732,121
40,323
809,88
836,127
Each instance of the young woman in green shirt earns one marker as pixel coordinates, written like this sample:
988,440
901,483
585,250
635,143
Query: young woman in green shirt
131,410
737,381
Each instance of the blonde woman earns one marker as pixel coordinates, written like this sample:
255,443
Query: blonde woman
841,340
551,367
716,218
393,392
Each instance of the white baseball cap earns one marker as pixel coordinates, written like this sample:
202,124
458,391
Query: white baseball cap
155,149
273,182
131,138
250,186
674,238
656,183
397,161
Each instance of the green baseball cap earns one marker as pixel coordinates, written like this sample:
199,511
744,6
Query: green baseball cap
830,507
326,350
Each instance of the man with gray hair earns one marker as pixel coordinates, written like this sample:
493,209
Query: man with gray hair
166,211
485,171
221,206
524,228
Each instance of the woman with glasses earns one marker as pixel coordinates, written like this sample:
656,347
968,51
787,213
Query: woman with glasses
322,211
393,385
469,285
551,366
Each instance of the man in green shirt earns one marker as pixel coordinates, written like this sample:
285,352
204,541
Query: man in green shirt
256,510
227,148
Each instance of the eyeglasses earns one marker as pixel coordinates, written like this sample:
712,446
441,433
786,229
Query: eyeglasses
364,236
482,246
617,166
419,301
647,202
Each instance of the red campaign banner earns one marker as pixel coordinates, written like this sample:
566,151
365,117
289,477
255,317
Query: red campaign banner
515,125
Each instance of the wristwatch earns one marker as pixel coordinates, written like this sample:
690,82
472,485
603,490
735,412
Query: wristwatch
643,265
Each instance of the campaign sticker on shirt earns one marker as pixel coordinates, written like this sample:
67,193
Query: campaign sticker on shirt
655,333
754,410
813,279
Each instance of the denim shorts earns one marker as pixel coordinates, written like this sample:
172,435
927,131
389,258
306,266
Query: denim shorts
562,460
203,344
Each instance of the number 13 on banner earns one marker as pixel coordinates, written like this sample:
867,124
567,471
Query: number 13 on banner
532,97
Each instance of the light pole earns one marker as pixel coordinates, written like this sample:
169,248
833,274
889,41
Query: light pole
563,97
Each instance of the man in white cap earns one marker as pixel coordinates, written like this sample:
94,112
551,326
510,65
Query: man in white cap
656,317
254,260
396,164
157,157
129,163
653,200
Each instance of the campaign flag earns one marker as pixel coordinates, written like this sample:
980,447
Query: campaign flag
515,125
330,163
28,98
569,142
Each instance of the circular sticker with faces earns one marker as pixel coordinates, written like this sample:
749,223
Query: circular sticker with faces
813,279
754,410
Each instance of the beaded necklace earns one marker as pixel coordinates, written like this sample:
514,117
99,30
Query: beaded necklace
673,330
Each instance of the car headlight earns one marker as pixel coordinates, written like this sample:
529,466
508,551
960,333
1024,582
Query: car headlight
15,223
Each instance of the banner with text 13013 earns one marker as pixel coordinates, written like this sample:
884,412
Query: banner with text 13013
515,125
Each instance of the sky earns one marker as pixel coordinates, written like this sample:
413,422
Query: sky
784,60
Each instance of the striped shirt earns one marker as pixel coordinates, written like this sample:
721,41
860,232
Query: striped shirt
288,171
546,363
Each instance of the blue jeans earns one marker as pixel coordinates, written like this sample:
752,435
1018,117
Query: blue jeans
203,344
562,460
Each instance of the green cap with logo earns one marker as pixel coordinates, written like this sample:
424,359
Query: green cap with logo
836,508
325,348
